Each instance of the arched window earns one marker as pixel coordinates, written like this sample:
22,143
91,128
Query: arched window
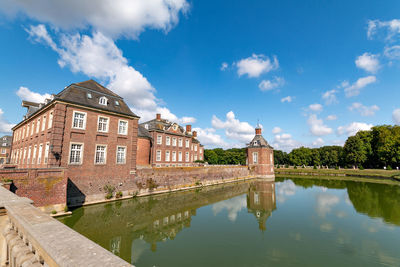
103,101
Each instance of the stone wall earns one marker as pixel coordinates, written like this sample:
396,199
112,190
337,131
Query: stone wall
45,186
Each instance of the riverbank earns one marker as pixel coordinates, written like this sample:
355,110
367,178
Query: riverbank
370,175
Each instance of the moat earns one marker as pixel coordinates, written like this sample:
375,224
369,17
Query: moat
288,222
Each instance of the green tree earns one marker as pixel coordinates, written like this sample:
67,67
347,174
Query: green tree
355,151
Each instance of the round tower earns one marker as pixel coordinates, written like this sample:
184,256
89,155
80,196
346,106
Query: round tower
260,156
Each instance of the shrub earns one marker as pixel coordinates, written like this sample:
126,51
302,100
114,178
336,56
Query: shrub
109,195
198,183
337,168
361,168
119,194
66,209
315,167
53,212
389,168
295,167
286,165
151,184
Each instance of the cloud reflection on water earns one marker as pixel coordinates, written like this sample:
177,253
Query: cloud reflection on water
233,206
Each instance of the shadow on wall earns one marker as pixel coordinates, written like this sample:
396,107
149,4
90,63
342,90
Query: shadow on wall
75,197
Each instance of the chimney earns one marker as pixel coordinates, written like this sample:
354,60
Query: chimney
194,134
188,128
258,131
158,116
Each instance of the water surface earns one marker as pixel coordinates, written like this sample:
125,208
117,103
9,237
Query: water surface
289,222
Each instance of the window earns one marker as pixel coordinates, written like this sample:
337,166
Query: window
3,151
200,157
38,125
167,155
23,159
173,155
146,126
270,158
44,123
89,95
27,131
195,148
159,139
33,128
180,143
46,153
255,157
101,154
76,152
103,101
187,157
158,155
200,150
39,159
116,103
187,143
173,141
121,155
180,156
50,120
34,154
29,156
123,127
167,140
102,124
195,157
79,120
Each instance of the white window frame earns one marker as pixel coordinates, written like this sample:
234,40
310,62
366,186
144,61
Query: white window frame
27,130
38,125
40,151
255,157
103,101
23,159
51,120
180,156
158,155
173,141
167,155
46,153
126,128
34,154
187,157
80,156
84,120
116,157
180,143
173,156
167,141
195,148
44,122
159,139
195,157
107,124
28,161
187,143
33,127
105,154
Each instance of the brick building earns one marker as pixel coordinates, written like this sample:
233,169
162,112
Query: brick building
260,155
162,143
5,148
86,128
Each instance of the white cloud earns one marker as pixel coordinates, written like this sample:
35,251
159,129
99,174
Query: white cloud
97,56
26,94
285,142
234,129
356,87
287,99
267,85
353,128
330,97
389,28
396,116
5,127
276,130
317,126
315,107
318,142
364,110
127,18
331,118
209,138
256,65
392,52
368,62
224,66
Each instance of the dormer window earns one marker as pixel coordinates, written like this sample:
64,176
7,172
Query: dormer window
146,126
116,103
89,95
103,101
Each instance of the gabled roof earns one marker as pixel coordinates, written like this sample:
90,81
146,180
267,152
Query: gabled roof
78,93
259,141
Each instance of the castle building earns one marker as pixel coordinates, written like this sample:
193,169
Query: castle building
5,148
162,143
86,128
260,156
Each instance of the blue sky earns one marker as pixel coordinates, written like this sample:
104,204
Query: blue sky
312,72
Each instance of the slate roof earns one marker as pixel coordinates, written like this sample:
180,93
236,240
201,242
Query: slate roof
161,126
259,141
142,132
7,141
77,93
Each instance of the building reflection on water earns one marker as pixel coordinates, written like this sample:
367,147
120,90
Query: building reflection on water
261,201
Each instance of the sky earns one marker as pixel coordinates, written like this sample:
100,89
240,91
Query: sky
311,73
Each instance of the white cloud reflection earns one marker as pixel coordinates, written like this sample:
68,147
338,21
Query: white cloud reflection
233,207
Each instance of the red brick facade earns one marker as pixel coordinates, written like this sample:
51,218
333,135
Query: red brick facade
260,156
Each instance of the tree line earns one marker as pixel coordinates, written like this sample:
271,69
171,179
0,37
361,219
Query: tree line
375,148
